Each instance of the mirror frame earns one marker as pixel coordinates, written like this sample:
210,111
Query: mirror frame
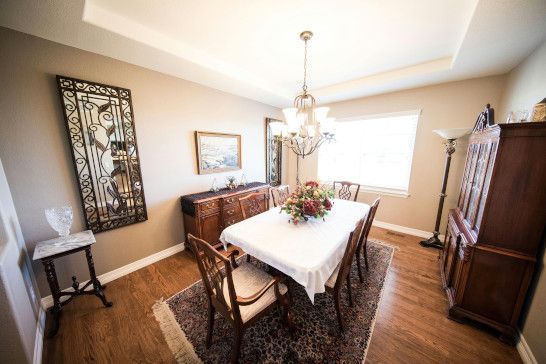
120,101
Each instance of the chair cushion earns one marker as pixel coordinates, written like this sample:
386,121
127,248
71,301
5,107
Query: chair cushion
248,280
331,282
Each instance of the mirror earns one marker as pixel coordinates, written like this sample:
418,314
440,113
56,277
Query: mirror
100,125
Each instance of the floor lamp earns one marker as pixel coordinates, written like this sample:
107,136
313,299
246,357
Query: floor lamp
450,136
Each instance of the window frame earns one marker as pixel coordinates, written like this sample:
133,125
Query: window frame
384,191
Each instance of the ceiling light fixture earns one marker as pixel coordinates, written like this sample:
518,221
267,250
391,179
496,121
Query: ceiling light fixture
306,126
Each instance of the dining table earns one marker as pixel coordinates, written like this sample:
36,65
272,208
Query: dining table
308,252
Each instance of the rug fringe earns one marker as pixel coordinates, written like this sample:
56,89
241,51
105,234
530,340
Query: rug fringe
180,346
372,326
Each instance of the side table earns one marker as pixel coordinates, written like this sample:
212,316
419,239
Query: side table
49,250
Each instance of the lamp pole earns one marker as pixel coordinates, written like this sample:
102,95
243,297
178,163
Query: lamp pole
434,241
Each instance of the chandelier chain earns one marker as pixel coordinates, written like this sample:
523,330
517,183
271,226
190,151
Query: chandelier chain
305,68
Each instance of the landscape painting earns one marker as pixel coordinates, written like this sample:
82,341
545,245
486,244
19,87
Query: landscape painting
217,152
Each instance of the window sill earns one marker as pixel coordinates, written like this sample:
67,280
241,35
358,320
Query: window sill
385,191
377,190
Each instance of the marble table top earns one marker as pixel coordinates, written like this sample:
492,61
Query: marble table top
63,244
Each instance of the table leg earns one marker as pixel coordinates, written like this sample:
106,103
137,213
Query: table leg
55,292
98,288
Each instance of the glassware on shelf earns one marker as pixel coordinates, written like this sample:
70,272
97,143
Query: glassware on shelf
60,219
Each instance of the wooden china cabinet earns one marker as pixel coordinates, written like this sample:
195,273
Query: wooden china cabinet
206,214
495,233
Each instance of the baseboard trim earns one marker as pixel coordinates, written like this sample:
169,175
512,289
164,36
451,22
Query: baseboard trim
405,230
39,339
524,351
47,301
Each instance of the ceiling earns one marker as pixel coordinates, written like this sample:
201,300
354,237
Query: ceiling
252,48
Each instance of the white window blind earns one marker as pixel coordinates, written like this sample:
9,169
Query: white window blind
375,152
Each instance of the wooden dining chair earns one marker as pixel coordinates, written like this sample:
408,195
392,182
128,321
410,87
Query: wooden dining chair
280,194
344,190
241,293
253,204
363,243
342,273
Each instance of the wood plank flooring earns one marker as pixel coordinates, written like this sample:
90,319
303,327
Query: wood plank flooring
411,324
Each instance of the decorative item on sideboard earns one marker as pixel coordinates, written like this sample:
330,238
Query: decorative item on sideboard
539,111
231,182
243,180
214,187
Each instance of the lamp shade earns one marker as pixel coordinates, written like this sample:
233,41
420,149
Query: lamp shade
455,133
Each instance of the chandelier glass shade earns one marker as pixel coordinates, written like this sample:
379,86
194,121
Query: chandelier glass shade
305,125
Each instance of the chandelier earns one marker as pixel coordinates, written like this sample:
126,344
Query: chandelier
306,126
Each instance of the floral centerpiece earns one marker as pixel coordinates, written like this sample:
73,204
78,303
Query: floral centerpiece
309,200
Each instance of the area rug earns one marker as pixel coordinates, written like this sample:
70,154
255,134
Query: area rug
183,321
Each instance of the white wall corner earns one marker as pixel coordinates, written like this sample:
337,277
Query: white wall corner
524,351
47,301
39,339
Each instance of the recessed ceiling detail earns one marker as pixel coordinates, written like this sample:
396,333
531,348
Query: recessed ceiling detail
251,48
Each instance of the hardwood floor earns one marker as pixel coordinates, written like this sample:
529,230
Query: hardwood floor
411,324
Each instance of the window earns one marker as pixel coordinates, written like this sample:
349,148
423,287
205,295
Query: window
374,151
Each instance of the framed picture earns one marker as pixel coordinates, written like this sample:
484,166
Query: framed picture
217,152
273,156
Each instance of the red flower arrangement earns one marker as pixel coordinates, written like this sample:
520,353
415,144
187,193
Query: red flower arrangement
309,200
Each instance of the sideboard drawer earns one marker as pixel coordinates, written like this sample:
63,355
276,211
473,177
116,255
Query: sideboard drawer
231,200
231,211
233,220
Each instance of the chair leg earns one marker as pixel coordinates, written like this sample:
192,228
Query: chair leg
210,325
366,253
349,291
358,249
338,311
236,349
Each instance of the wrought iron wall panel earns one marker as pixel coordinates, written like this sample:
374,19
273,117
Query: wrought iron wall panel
100,124
273,156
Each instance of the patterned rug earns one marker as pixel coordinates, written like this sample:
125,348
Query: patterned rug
183,321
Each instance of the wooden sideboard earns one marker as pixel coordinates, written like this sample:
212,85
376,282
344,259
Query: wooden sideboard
206,214
495,233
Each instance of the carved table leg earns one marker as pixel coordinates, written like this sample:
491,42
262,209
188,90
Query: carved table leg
55,292
97,286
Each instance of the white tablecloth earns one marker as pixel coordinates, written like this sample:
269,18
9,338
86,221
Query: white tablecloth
308,252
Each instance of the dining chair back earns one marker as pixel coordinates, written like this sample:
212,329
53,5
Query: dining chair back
241,293
253,204
363,243
342,273
280,194
216,271
344,190
346,261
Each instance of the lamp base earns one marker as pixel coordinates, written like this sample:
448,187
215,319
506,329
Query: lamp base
432,242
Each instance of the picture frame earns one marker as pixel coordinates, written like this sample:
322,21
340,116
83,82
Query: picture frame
273,156
217,152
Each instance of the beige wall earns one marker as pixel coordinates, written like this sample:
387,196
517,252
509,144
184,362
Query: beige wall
35,152
450,105
526,85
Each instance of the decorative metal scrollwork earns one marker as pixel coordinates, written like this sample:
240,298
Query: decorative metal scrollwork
100,124
273,156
